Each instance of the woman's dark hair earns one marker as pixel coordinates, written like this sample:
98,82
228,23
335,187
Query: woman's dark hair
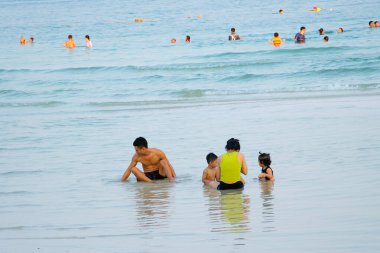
370,22
264,158
140,142
326,38
233,144
87,37
211,157
232,29
320,31
70,36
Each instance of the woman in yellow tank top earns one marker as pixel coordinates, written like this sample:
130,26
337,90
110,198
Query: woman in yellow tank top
231,164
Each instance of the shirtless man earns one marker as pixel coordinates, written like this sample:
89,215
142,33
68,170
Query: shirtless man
233,35
154,162
70,43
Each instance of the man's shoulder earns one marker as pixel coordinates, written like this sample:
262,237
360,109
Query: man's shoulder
157,151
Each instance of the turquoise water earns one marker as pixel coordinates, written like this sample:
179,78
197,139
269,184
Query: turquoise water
69,117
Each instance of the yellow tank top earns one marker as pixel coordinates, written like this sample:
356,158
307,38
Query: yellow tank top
230,168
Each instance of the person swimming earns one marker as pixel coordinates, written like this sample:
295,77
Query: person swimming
187,40
340,30
233,35
173,41
326,39
281,11
88,41
376,23
321,31
70,43
371,24
31,40
277,41
22,40
300,37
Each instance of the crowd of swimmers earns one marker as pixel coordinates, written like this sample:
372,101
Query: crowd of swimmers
70,43
275,41
222,173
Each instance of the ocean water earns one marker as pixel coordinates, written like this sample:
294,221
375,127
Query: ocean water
68,119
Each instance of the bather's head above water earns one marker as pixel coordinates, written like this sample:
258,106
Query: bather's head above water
140,145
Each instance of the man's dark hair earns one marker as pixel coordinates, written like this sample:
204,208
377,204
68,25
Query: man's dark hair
87,37
70,36
264,158
275,34
211,157
320,31
233,144
140,142
302,28
370,22
232,29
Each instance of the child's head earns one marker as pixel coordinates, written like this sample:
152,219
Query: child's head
276,35
264,160
211,159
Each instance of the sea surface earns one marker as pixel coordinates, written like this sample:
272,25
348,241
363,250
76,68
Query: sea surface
68,119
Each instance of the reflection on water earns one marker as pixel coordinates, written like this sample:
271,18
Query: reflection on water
152,202
268,206
228,210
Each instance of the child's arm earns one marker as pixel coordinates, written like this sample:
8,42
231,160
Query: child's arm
268,175
204,177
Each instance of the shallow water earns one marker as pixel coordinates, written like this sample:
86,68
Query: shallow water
68,119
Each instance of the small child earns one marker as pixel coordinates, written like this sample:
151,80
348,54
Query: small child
88,41
22,40
209,173
277,41
266,170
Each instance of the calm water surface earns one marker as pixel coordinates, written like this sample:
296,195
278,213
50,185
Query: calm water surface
69,117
